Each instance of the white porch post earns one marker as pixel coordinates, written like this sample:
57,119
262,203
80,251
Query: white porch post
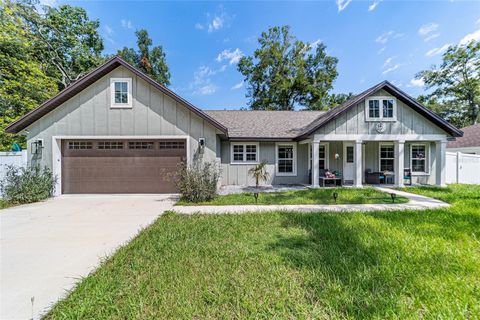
315,164
399,162
358,164
440,161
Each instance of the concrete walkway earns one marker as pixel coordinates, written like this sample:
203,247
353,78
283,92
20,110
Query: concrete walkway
47,247
416,202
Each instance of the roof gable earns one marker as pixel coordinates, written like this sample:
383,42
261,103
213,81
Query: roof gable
91,78
394,91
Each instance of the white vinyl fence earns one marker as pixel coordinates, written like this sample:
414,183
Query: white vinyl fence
463,168
12,158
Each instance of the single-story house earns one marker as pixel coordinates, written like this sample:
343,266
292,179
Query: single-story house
116,130
469,143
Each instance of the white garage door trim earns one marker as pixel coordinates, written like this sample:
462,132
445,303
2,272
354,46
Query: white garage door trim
57,151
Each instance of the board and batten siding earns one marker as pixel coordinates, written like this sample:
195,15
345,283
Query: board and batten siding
353,121
237,174
153,113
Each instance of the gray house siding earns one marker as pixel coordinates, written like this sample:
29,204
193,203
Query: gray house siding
152,113
237,174
353,122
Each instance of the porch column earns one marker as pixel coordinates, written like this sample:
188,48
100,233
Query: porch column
440,161
315,164
399,162
358,164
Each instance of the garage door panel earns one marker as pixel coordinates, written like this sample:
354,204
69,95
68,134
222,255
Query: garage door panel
94,170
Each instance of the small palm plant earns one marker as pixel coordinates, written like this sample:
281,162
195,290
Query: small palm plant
259,172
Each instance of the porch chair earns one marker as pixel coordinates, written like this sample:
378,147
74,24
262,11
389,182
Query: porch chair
407,175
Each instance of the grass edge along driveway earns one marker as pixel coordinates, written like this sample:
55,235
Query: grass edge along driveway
324,196
404,264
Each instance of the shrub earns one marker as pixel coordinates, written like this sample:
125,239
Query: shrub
259,173
197,182
27,185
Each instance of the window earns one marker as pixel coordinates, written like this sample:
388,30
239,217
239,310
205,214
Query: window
171,145
418,158
387,157
349,157
322,156
381,109
79,145
244,152
110,145
286,160
121,92
140,145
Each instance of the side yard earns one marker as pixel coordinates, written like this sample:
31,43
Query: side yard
409,264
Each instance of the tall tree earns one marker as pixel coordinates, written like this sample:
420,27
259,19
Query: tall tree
151,61
66,40
456,84
24,83
331,101
285,72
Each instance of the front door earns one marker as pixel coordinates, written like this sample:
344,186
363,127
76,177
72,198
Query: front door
348,162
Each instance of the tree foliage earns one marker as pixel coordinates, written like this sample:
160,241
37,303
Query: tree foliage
151,61
455,84
24,84
285,72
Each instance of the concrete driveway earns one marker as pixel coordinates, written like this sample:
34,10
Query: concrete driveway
47,246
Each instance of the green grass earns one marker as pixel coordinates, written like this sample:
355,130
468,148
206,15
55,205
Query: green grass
4,204
380,265
308,196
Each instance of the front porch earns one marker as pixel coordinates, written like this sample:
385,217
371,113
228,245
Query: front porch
371,161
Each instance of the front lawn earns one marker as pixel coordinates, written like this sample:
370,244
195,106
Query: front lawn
308,196
408,264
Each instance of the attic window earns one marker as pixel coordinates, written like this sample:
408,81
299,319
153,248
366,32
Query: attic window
381,109
121,92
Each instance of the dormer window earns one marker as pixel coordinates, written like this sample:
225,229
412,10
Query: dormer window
121,92
381,109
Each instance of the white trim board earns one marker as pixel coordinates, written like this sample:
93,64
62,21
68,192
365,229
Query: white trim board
283,174
379,137
57,151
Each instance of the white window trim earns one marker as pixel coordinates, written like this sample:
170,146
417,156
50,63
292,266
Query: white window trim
427,159
244,144
114,105
381,118
380,145
284,174
327,158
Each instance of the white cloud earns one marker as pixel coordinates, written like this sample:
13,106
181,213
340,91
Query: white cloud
199,26
206,90
50,3
127,24
427,28
108,33
315,44
381,50
393,68
342,4
108,30
431,37
436,51
474,36
387,62
478,21
373,5
385,37
217,23
233,57
416,83
237,86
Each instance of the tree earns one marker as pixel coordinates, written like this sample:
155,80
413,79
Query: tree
66,40
456,83
151,61
259,173
331,101
23,81
285,72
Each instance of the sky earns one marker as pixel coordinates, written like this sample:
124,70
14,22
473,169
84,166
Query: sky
374,40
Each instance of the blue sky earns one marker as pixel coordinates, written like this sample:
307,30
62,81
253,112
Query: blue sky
373,40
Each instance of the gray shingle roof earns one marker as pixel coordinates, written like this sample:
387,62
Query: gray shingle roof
265,124
471,138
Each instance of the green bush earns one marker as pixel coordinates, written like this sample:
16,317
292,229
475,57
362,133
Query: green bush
27,185
197,182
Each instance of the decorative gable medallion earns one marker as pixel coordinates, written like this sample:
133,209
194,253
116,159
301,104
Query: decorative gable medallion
380,127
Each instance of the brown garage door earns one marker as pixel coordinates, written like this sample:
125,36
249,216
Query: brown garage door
121,166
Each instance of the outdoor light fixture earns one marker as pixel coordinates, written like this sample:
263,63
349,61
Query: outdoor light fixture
393,195
201,142
335,196
37,146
